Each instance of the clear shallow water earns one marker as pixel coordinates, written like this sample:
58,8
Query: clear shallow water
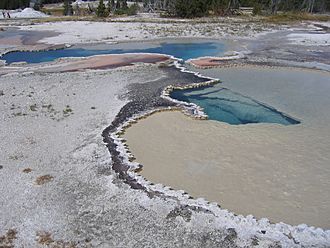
184,50
224,105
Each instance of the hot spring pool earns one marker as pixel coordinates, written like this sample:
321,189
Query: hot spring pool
184,50
280,172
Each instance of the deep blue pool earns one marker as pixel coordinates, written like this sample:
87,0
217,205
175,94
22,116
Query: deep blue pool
224,105
185,51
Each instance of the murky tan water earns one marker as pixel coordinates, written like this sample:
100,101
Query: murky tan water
273,171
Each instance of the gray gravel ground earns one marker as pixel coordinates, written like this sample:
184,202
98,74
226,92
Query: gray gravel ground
57,188
52,125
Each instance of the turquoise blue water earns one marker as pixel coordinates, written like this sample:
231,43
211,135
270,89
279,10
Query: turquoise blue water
224,105
185,51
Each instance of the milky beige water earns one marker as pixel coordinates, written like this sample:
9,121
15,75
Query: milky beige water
251,169
267,170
